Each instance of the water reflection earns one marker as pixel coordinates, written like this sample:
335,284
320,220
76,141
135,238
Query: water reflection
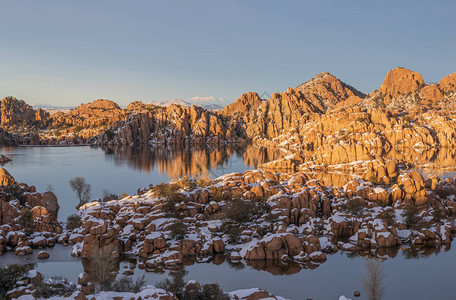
193,162
373,282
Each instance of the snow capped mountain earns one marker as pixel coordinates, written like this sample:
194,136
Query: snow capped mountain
210,102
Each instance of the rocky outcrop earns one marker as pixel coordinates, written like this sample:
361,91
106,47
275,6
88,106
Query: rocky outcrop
243,105
173,125
5,178
325,91
448,83
28,219
431,93
400,81
17,112
94,114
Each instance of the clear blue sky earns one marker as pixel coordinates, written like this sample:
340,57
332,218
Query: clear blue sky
69,52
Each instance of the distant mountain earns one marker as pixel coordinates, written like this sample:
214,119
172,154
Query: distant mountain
210,103
49,106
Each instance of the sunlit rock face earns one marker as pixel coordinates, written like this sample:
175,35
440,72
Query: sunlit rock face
400,81
5,178
326,91
17,112
243,105
448,83
94,114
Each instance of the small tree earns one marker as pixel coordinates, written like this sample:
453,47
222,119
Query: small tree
82,189
26,221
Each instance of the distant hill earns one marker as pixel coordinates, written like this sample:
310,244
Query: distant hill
209,103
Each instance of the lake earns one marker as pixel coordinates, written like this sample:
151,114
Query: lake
424,276
123,170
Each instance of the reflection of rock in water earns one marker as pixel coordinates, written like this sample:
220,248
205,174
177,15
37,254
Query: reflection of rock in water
277,267
373,280
179,162
432,158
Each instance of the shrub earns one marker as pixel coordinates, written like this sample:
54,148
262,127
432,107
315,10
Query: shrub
207,291
13,192
216,194
164,190
354,206
412,218
9,275
108,196
176,285
169,193
189,185
26,221
232,229
204,182
240,211
178,230
55,286
73,222
109,134
438,213
389,217
126,284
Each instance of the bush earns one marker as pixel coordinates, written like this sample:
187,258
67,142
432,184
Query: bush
354,206
178,230
438,213
207,291
166,191
73,222
176,285
216,194
240,211
13,192
109,134
389,217
126,284
204,182
169,193
232,229
9,275
108,196
55,286
412,218
26,221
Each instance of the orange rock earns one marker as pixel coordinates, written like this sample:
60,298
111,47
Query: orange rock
5,178
448,83
400,81
431,93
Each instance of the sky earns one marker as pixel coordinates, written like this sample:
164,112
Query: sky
70,52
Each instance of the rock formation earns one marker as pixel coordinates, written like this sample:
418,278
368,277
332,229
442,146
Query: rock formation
325,91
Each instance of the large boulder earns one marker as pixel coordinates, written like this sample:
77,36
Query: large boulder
400,81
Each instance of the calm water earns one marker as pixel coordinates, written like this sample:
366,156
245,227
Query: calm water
430,277
122,170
